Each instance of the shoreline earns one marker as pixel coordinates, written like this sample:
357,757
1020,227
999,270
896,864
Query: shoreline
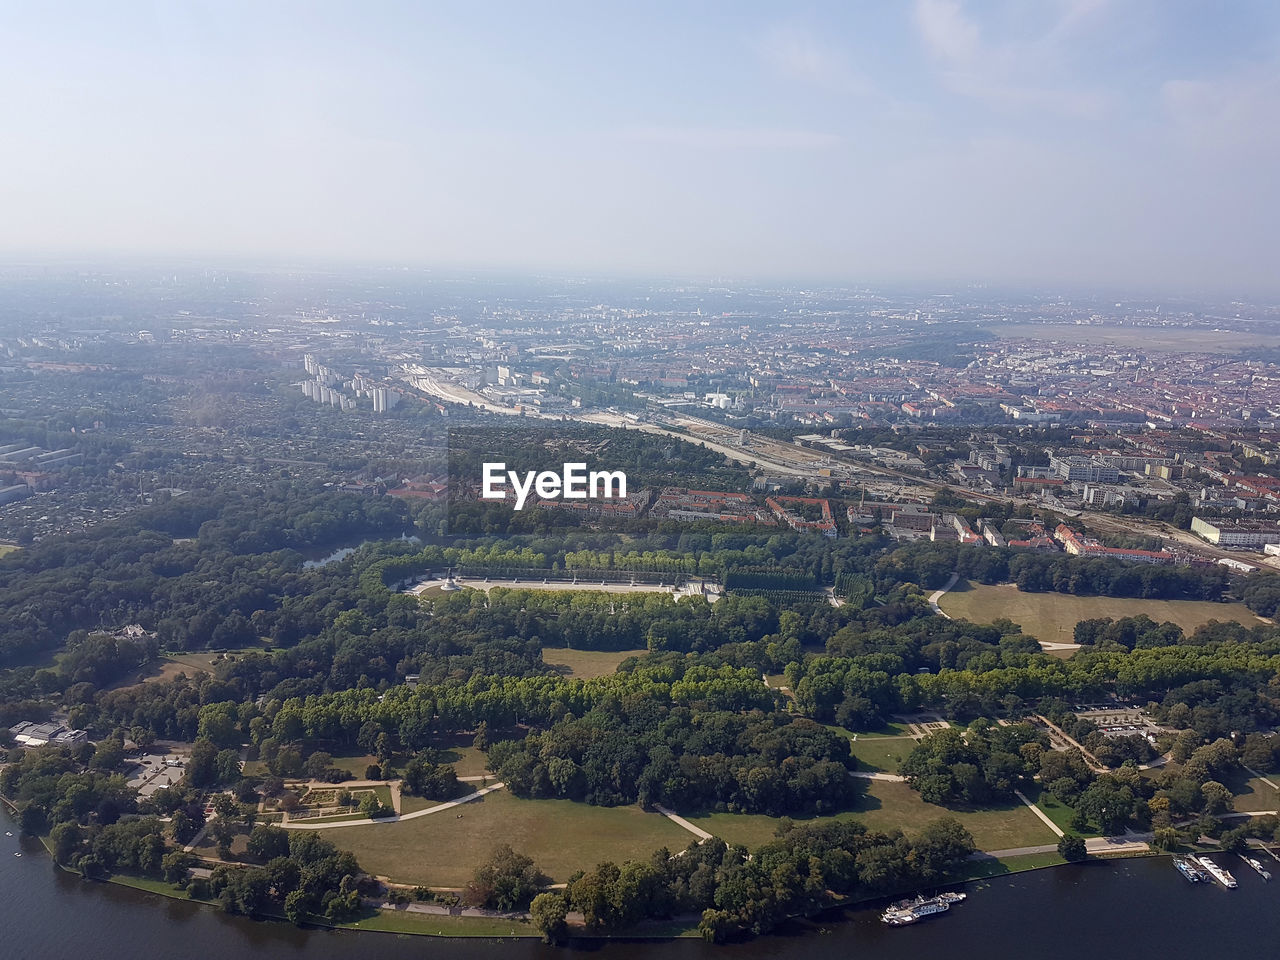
401,922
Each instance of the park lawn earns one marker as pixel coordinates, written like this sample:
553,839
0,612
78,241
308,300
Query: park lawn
882,754
435,925
1057,811
412,804
1253,794
979,869
239,844
169,665
456,749
561,836
335,818
892,728
587,663
888,806
1053,616
149,884
467,761
354,763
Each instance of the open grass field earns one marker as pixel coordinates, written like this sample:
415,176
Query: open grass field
354,763
423,924
456,749
888,806
1252,793
412,804
169,665
1058,812
586,663
882,754
8,548
1053,616
560,835
893,728
1174,339
984,868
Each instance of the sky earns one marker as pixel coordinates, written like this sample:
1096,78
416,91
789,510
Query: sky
1129,143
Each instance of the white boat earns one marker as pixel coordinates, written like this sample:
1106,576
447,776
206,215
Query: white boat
1257,865
1189,870
910,911
1223,876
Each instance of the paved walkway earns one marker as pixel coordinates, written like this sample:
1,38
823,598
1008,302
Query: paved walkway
1094,762
680,821
333,825
1125,844
937,595
1038,812
439,910
195,841
1263,777
1095,846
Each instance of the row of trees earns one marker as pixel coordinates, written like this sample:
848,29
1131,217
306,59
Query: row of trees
804,870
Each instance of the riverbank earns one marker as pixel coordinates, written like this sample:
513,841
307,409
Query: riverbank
1060,913
380,917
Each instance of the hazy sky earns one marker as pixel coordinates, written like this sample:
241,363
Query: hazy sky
1130,141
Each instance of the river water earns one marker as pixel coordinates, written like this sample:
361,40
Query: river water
1133,908
323,556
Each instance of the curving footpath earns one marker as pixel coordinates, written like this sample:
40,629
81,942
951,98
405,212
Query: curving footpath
333,825
937,595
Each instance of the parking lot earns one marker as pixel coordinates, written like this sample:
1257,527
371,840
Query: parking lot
152,771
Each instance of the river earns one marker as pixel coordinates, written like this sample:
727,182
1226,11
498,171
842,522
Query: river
323,556
1131,908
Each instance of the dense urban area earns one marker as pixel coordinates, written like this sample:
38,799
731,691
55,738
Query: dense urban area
906,587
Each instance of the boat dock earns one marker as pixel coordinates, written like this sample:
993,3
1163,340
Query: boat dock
1257,865
1218,873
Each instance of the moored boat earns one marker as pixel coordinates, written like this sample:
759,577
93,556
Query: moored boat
1222,875
910,911
1189,870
